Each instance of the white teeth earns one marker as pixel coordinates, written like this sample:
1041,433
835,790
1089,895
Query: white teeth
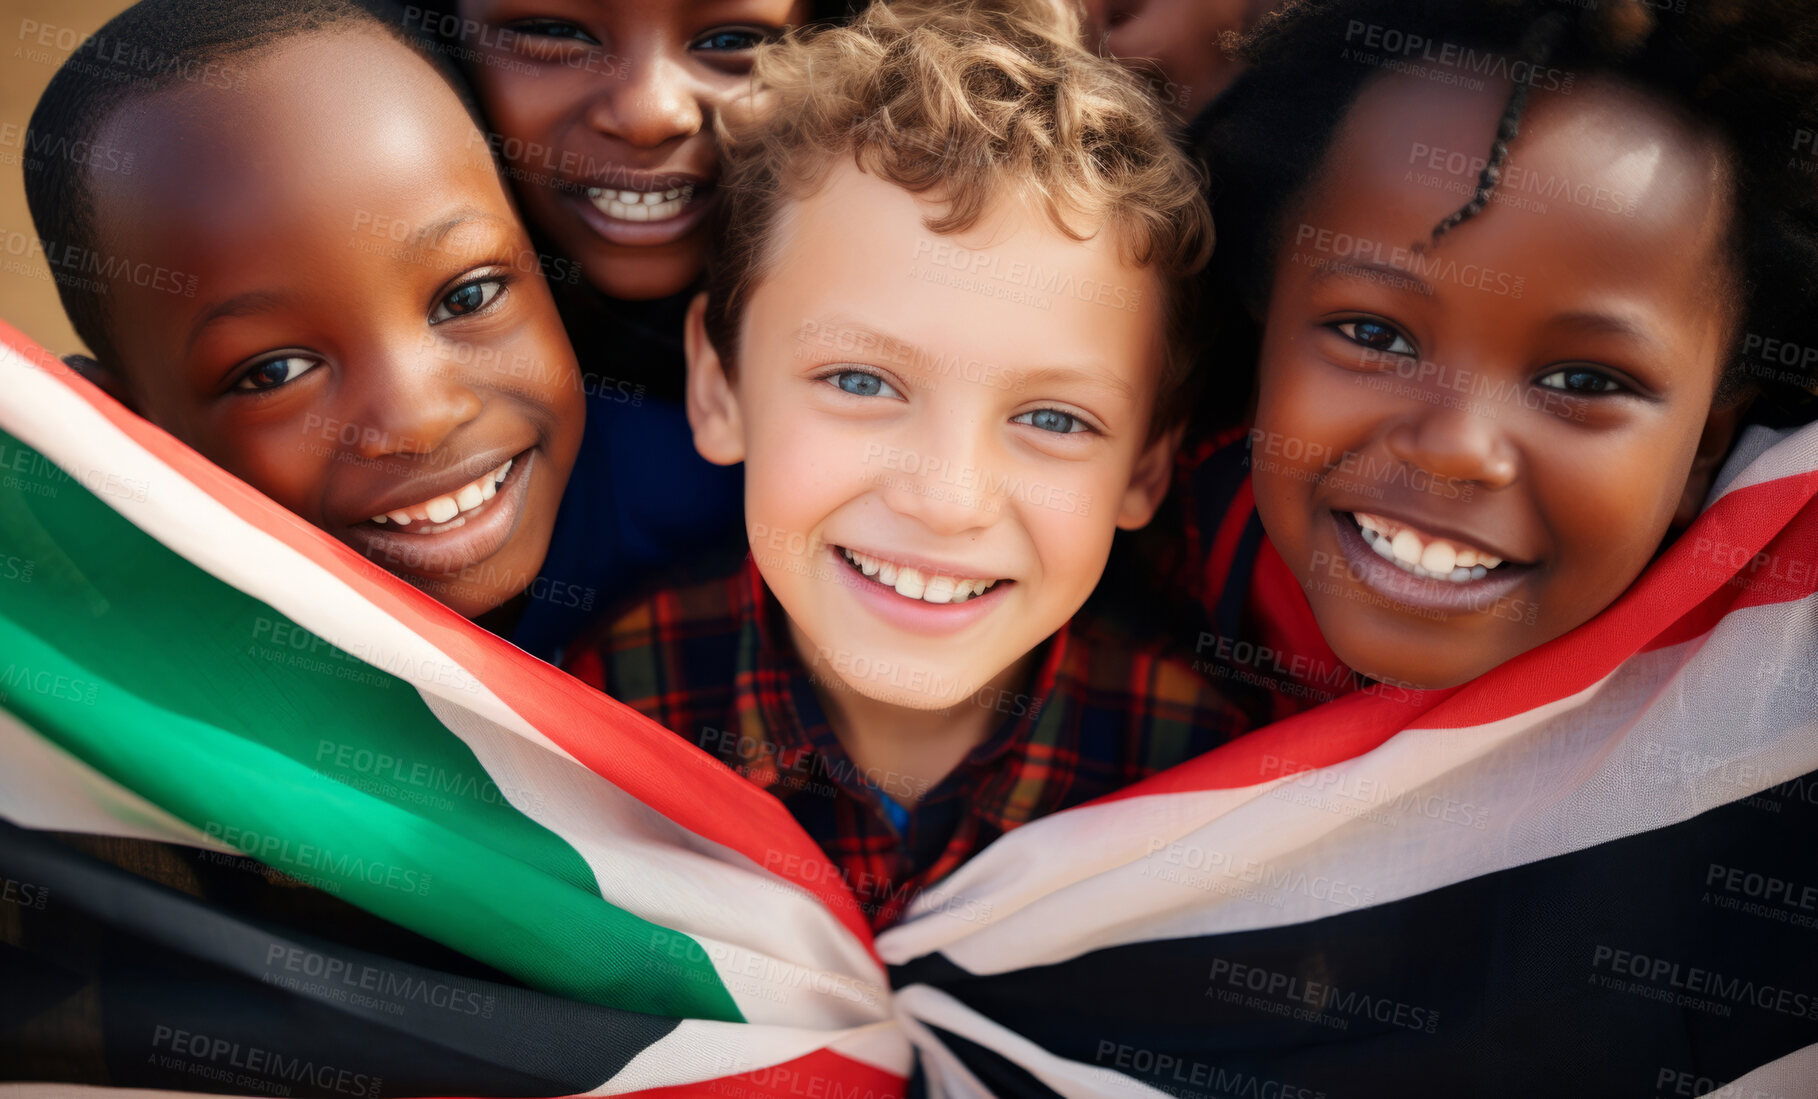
909,583
914,584
641,205
443,508
1406,546
1439,559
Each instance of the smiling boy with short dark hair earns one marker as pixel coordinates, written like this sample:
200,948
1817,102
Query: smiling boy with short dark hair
414,397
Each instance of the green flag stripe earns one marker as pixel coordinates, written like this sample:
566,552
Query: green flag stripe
232,717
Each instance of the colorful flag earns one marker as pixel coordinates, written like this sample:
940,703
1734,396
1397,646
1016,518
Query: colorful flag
274,823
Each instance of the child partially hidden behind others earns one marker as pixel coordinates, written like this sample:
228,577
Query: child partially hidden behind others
938,451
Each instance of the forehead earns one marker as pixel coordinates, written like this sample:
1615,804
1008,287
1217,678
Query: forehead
1605,181
1012,289
316,132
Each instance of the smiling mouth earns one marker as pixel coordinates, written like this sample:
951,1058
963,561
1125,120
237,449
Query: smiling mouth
451,510
911,583
1424,555
642,205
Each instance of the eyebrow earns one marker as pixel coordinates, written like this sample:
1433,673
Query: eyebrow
1608,324
1379,273
253,302
240,305
1061,375
453,220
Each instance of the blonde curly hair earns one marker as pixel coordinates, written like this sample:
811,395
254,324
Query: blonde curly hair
966,101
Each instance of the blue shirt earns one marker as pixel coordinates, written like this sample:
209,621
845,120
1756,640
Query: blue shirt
640,498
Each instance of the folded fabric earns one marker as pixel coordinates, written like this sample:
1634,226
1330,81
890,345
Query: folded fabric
279,824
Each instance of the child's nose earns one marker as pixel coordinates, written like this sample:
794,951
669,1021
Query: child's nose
945,481
655,102
412,408
1459,444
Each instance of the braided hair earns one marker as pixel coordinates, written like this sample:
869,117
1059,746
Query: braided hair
1746,69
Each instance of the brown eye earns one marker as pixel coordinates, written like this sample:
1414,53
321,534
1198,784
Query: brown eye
1376,336
273,373
468,298
1581,381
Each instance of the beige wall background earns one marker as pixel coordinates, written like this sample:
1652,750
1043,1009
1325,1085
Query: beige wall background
28,299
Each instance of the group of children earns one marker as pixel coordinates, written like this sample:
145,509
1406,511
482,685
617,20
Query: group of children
910,311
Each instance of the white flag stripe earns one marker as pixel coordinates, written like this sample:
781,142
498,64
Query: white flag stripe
44,787
921,1004
1167,839
1764,454
699,1050
1656,743
809,971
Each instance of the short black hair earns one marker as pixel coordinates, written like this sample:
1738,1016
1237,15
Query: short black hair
151,46
1745,69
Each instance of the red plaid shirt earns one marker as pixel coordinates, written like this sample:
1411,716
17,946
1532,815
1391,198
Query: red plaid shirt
712,660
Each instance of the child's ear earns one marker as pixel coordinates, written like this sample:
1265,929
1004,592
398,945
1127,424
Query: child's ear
1149,480
1713,447
713,407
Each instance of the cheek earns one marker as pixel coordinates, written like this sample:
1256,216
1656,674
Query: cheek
290,461
1609,507
521,108
799,469
1070,528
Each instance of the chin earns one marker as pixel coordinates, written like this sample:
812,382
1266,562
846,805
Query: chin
646,278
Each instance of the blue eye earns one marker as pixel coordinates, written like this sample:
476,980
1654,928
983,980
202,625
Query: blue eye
1581,381
273,373
731,40
465,299
1052,419
1376,336
862,383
